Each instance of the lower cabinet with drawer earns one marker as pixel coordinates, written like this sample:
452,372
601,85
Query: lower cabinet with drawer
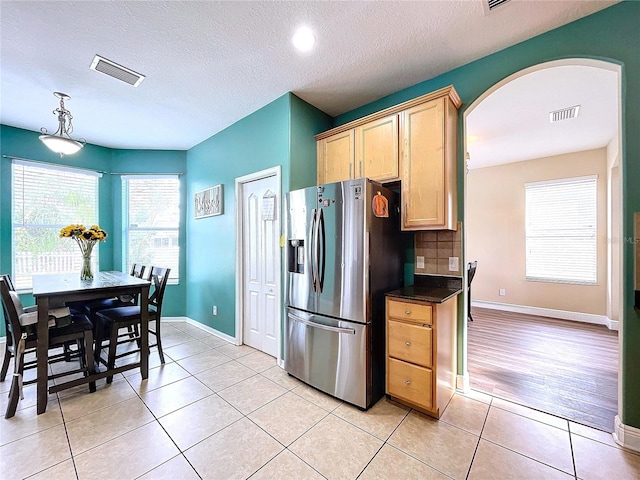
421,353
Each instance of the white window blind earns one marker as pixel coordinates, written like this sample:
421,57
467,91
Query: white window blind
561,230
46,198
152,221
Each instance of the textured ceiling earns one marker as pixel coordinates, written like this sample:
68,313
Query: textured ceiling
208,64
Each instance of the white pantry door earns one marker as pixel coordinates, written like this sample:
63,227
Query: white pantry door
261,269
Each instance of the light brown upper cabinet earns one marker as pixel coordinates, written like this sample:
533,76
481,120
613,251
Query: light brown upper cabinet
428,156
336,158
369,150
414,142
377,149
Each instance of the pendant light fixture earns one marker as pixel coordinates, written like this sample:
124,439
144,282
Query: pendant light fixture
61,141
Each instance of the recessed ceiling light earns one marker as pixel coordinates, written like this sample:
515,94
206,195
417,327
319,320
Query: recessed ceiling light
303,39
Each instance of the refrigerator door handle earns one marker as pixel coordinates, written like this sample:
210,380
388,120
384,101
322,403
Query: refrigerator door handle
311,249
316,250
321,326
321,250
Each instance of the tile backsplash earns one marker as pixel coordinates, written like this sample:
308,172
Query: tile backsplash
435,248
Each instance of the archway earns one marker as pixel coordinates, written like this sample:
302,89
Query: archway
613,269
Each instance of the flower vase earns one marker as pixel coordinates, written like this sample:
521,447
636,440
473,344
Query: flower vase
86,273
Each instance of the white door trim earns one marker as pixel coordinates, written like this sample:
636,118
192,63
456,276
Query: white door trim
240,181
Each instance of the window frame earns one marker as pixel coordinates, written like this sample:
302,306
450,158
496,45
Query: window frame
44,167
174,275
591,181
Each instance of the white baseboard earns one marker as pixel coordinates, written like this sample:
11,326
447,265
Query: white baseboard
462,383
174,319
626,436
212,331
549,312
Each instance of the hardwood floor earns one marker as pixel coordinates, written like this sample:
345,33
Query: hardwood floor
565,368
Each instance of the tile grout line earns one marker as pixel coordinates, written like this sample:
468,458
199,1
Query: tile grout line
475,451
407,453
66,432
520,453
384,442
573,457
155,419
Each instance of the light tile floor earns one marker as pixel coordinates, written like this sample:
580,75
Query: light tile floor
219,411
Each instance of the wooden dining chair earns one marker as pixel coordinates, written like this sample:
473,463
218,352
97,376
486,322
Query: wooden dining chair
22,329
111,320
471,272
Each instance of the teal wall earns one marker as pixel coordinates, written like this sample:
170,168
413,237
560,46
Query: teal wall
262,140
612,35
306,122
25,144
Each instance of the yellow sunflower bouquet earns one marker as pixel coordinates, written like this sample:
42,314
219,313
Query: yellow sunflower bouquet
86,238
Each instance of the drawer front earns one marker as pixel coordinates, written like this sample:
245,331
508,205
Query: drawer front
412,312
410,382
410,342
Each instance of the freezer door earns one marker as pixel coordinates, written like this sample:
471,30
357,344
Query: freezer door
329,354
301,212
342,244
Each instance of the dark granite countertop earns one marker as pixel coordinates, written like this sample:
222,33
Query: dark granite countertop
430,288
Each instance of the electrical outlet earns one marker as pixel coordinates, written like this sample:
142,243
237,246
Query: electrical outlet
503,292
215,310
419,262
454,264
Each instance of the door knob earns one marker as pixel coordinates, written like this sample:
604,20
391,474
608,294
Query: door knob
407,343
407,382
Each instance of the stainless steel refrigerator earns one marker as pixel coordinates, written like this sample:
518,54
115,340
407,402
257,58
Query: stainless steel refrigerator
343,251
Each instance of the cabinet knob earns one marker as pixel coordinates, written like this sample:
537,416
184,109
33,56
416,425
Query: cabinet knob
407,312
407,343
407,382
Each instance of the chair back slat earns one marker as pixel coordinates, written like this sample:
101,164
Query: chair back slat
158,277
137,270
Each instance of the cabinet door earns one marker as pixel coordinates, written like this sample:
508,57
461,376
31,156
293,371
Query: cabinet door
335,158
428,167
377,149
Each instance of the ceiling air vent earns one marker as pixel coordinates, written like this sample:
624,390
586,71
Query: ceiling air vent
489,5
564,114
102,65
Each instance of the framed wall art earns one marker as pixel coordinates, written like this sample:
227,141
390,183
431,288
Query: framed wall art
208,202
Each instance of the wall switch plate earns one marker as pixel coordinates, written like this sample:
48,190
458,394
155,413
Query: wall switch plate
419,262
454,264
215,310
503,292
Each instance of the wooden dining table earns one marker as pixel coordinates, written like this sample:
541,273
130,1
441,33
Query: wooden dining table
56,290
